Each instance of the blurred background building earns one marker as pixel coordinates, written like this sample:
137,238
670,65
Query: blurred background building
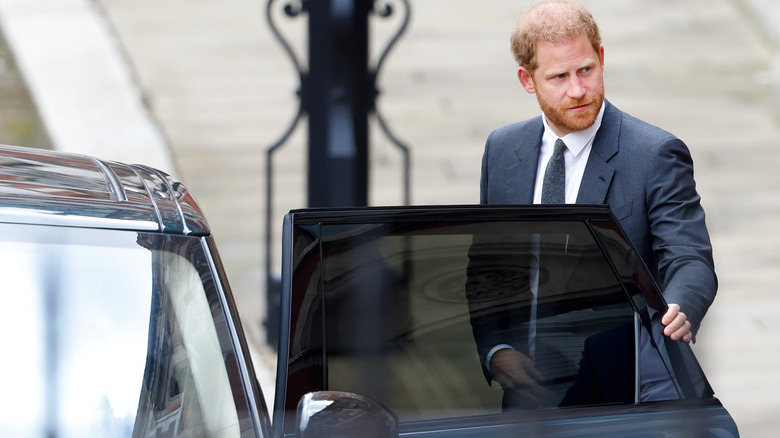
201,89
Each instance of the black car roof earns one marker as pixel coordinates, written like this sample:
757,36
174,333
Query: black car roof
66,189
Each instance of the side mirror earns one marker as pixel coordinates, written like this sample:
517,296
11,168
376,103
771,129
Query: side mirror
336,414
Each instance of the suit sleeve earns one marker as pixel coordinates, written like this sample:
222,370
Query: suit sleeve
680,238
498,293
483,179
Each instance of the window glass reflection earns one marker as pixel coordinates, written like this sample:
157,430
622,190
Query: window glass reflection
411,313
79,317
108,333
185,386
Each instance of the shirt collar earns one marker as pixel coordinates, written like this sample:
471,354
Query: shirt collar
575,141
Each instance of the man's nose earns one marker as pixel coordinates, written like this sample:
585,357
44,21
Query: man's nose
576,88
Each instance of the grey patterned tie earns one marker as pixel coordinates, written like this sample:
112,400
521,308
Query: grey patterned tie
554,184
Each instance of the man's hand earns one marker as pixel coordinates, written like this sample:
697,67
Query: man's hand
676,324
517,375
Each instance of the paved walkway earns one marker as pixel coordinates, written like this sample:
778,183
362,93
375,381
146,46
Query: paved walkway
219,90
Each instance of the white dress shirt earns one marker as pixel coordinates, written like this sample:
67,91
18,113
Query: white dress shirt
578,146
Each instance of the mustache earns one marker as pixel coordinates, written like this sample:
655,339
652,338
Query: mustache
580,102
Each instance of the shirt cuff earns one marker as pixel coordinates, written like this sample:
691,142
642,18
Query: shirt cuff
493,351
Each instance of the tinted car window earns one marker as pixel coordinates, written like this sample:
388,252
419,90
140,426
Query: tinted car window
407,311
115,334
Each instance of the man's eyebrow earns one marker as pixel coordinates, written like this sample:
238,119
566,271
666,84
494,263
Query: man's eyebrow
554,73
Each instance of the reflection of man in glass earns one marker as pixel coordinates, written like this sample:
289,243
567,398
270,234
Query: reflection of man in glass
502,287
607,368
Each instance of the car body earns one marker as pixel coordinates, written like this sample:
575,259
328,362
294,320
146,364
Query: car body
120,321
118,318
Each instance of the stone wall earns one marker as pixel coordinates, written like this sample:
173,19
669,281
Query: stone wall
766,14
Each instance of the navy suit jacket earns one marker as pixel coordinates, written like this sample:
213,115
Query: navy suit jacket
645,175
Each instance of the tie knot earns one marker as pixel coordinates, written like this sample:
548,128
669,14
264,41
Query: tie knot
560,146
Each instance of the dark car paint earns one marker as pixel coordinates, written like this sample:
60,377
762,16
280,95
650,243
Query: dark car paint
691,417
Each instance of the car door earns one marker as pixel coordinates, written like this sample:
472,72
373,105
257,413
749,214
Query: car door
409,307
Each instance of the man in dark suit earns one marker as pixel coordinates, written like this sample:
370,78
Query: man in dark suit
643,173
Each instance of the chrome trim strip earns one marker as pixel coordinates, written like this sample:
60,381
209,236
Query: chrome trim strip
179,211
151,197
174,197
637,362
161,197
44,217
112,178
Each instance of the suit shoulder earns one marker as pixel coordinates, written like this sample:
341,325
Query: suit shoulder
519,126
633,127
517,132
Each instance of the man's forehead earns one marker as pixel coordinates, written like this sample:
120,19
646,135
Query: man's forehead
577,50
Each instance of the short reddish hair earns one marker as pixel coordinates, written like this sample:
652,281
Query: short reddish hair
551,21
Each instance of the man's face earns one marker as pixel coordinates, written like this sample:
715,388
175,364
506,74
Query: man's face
568,83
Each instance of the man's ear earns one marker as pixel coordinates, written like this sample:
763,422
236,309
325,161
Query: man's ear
601,56
526,79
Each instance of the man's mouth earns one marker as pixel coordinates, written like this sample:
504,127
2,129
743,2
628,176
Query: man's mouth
581,107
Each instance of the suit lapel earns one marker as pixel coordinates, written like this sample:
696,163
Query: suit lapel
529,141
598,172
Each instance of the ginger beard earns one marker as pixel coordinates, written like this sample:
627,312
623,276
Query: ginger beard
572,121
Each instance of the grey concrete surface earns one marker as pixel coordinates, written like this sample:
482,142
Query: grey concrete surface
82,87
19,120
220,89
